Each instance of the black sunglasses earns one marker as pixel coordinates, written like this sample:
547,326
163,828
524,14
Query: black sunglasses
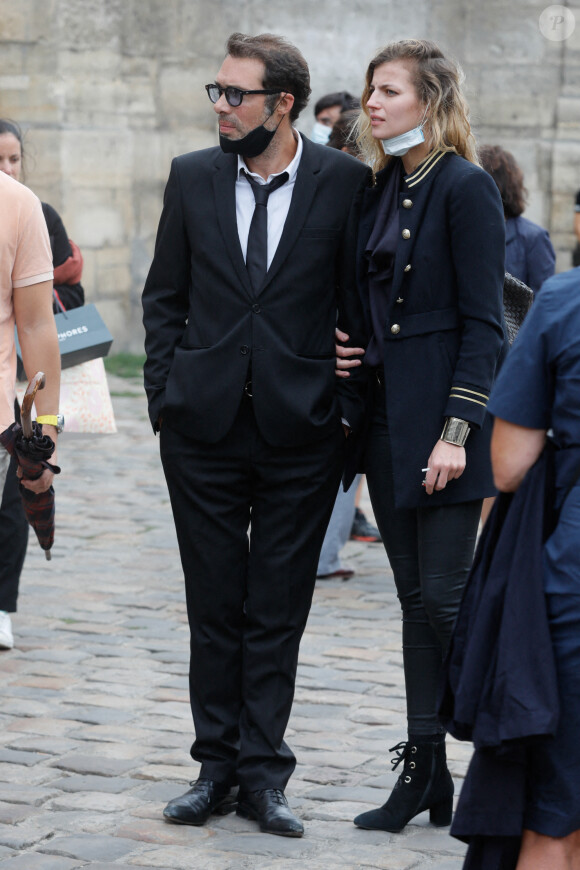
234,96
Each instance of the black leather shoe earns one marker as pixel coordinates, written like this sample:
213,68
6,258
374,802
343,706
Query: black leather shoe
270,808
196,806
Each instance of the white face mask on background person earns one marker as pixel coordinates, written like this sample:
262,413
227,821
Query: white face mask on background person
320,133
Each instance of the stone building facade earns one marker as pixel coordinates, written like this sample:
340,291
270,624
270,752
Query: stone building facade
109,90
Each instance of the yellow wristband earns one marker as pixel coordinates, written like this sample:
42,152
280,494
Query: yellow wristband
56,420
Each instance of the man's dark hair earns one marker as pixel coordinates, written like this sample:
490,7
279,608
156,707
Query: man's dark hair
285,67
339,98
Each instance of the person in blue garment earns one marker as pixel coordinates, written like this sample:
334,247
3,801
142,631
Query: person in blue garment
529,253
538,390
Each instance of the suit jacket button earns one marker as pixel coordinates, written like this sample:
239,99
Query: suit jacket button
395,329
256,308
406,234
407,203
407,268
244,349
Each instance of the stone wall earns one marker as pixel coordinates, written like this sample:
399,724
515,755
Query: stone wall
109,90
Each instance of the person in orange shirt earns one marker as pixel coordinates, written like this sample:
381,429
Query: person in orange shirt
25,301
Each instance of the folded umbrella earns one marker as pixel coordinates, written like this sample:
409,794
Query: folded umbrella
33,450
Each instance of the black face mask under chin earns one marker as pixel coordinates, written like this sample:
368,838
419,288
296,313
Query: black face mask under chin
251,145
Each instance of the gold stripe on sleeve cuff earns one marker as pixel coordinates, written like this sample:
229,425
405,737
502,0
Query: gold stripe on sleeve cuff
453,395
472,392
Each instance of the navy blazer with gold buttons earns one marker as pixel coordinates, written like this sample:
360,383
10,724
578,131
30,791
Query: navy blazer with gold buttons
444,334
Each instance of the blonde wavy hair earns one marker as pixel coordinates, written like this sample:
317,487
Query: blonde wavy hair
437,81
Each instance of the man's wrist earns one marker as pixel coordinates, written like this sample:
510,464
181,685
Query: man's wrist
455,431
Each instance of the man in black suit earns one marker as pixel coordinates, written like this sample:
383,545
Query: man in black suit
240,308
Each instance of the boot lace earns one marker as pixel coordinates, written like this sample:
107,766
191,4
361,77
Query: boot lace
403,750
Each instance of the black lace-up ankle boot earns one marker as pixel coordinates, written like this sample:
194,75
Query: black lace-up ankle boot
424,784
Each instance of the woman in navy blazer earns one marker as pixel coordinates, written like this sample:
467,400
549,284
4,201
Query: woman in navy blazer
430,268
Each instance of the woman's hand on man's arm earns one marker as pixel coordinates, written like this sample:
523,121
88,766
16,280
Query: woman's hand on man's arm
346,357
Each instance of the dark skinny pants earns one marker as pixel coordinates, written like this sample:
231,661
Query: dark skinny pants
430,551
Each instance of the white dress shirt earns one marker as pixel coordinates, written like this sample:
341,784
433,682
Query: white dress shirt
278,202
278,205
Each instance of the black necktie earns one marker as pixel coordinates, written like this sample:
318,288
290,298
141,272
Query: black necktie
257,253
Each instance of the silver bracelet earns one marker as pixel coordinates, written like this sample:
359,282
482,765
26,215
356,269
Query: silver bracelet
455,431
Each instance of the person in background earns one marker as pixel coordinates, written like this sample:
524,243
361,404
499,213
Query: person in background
66,256
327,111
343,136
343,133
347,520
67,269
25,301
538,390
330,564
529,253
431,270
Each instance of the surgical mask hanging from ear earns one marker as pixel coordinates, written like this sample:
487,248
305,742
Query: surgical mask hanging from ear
320,133
253,143
397,146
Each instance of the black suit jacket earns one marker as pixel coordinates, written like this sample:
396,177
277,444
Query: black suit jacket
204,323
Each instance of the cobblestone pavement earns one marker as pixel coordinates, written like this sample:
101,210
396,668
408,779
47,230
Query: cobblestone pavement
94,712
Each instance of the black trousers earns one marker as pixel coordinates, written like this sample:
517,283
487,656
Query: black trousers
13,536
248,597
430,551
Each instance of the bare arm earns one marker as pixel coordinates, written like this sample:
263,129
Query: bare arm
40,352
577,224
514,449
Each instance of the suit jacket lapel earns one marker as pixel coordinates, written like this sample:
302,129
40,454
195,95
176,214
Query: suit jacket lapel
304,191
224,187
